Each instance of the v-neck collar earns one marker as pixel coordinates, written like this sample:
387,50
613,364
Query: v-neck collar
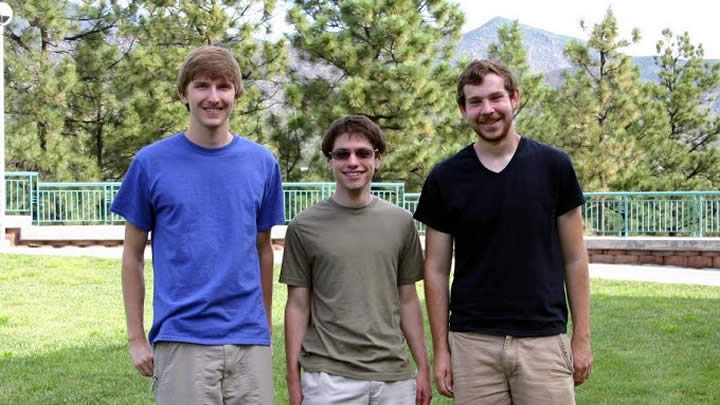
521,144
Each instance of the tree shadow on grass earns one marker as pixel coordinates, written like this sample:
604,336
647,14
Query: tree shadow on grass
77,375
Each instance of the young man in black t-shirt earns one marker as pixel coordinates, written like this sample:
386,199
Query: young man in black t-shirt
511,206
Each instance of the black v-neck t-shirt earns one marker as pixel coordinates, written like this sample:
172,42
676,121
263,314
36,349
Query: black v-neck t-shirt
509,271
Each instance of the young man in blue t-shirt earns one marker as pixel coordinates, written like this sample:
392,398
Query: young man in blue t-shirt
210,199
509,209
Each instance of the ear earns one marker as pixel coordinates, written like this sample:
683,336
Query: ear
515,99
378,160
182,97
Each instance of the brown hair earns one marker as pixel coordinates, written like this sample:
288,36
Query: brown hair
211,61
477,70
354,124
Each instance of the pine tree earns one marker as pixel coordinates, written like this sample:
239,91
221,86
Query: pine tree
599,111
39,75
97,109
390,60
685,91
90,82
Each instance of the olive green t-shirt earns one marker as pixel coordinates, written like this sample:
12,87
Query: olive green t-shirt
352,260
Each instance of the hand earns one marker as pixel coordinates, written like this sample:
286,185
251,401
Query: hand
582,359
423,392
142,356
295,392
443,373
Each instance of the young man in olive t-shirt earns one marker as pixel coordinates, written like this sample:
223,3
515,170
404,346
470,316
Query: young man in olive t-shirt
351,263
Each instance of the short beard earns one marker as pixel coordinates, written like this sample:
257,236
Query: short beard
494,140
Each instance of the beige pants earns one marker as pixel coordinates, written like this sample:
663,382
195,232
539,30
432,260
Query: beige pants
506,370
329,389
197,374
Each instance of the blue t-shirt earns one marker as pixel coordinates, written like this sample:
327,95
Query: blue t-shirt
204,208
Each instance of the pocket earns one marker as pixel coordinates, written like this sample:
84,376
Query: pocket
153,384
566,351
308,381
161,355
412,393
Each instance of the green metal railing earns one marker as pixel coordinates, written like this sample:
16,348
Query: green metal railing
89,203
20,192
670,213
76,203
410,203
299,196
692,213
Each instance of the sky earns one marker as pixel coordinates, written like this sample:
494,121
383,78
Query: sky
700,18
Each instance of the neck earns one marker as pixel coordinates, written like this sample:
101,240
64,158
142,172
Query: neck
209,137
497,149
353,198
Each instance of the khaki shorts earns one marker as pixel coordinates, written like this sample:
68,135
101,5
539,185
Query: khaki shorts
197,374
330,389
508,370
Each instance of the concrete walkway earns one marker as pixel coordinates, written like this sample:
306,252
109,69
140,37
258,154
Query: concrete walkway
659,274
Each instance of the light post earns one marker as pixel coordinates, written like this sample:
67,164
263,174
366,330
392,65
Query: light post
6,14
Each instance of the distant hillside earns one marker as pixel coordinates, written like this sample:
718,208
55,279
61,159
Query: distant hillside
544,51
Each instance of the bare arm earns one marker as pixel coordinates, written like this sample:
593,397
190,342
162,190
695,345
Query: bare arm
411,323
265,255
577,282
297,316
133,286
438,256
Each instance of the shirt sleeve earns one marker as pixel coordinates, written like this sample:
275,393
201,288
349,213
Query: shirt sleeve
570,193
431,209
133,201
296,265
272,211
410,265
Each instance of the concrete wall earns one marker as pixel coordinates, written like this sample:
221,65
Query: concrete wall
674,251
671,251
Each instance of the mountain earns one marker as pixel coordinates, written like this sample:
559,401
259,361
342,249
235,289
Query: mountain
545,52
544,49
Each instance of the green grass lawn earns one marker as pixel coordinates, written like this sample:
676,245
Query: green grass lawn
62,338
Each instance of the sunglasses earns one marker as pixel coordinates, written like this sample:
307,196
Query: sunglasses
360,153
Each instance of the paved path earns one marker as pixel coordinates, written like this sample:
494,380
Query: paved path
660,274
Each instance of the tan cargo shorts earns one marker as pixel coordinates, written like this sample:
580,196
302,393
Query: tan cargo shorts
193,374
489,369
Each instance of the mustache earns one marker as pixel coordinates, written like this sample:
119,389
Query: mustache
489,119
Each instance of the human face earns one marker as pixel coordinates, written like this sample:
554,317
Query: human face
354,174
210,101
489,108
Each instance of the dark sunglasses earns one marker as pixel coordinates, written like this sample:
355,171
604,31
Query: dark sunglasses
360,153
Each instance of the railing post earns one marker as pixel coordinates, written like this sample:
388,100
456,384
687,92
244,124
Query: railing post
626,216
693,217
700,215
35,202
105,204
